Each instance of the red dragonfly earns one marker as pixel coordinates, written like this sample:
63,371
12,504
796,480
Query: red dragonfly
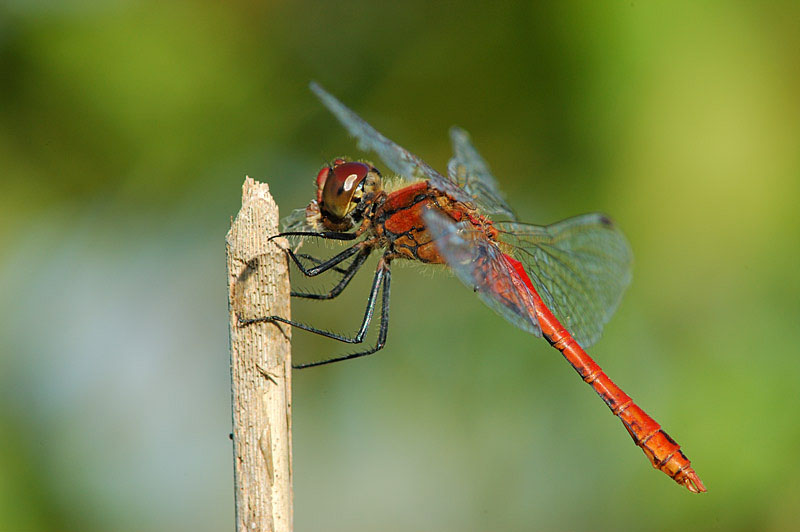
561,281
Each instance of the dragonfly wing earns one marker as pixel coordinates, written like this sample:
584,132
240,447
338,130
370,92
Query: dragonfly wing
298,220
480,265
580,267
397,158
302,220
470,171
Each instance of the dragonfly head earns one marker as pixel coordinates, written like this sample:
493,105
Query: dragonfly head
342,188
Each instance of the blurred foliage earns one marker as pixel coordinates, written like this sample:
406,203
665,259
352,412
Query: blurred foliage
126,129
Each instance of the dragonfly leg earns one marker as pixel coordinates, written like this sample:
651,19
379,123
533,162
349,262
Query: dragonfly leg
327,235
378,281
384,325
347,276
321,266
325,265
315,260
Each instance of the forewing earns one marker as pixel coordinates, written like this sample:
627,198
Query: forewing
480,265
398,159
580,267
297,220
301,220
470,171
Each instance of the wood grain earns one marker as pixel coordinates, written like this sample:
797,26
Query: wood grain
258,285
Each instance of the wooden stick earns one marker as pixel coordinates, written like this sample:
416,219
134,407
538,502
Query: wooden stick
261,365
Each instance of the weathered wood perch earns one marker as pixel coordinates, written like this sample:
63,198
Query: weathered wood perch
258,285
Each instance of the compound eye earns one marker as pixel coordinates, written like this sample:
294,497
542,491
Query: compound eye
340,187
322,177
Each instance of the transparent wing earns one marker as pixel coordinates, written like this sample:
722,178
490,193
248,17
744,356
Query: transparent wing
580,267
480,265
306,219
470,171
297,220
398,159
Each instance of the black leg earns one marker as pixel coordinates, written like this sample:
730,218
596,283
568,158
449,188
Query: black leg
314,260
349,273
328,264
382,331
328,235
380,274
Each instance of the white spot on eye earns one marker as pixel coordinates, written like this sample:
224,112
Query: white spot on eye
348,183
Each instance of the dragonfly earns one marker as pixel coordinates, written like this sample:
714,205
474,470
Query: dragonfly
561,281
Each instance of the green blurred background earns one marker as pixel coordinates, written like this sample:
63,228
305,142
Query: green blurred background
126,129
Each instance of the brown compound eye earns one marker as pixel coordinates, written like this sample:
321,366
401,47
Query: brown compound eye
323,174
322,177
339,189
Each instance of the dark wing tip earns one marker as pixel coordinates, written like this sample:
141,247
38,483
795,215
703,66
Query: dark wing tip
605,220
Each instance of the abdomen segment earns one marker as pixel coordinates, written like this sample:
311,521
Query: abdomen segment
660,449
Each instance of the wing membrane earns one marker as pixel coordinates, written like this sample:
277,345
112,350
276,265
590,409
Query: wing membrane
470,171
480,265
580,266
397,158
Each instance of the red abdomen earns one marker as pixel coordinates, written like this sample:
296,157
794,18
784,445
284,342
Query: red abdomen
661,450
